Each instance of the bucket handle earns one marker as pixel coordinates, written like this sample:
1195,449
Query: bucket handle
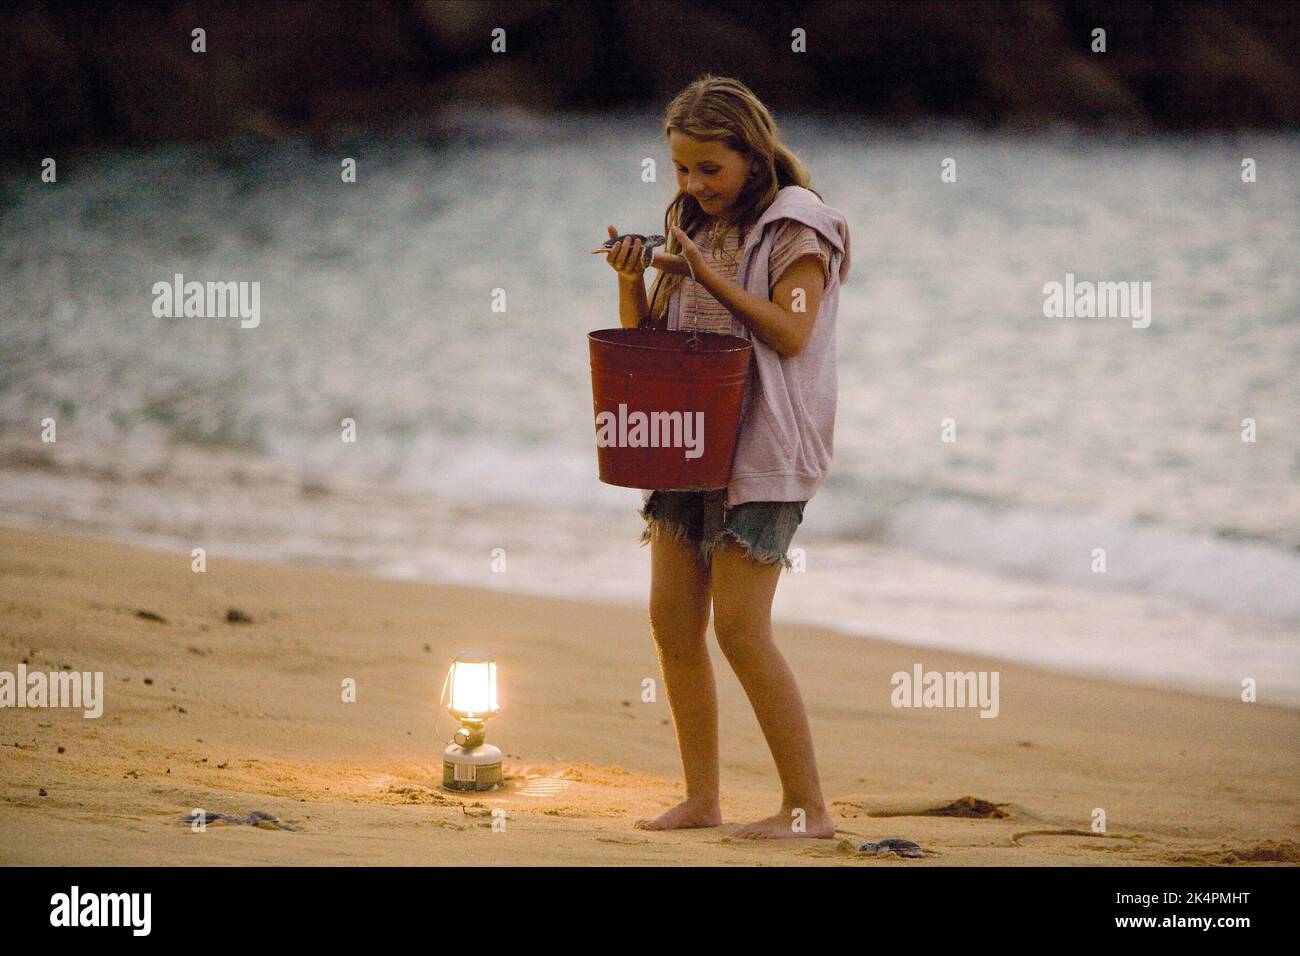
694,342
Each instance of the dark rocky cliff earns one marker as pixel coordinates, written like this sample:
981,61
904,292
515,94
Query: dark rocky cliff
82,74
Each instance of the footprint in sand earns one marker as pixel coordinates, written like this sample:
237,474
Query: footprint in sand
966,806
1266,851
1016,837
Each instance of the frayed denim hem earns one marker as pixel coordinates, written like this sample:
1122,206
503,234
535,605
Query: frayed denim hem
760,555
679,532
712,539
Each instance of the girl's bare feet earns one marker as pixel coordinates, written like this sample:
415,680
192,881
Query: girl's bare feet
817,824
684,816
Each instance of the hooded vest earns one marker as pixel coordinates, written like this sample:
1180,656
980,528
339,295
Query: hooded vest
787,422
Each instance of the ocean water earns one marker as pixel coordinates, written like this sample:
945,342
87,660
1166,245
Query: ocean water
474,428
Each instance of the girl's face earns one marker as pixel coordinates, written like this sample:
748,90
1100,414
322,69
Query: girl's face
710,171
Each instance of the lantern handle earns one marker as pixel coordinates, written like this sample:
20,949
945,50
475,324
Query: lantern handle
442,695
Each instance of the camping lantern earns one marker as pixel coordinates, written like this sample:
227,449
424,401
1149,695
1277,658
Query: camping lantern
468,763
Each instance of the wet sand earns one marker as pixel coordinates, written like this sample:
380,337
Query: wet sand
238,717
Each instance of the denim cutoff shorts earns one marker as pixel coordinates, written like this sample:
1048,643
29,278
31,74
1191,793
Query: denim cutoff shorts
762,528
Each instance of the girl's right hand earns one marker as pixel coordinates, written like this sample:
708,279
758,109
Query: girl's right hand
625,258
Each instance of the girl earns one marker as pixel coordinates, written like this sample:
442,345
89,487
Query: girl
768,257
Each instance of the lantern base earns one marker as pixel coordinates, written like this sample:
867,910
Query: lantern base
471,769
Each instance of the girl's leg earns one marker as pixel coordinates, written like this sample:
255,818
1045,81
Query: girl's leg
742,620
679,621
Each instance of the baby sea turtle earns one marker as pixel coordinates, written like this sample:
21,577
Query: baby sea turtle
648,244
893,845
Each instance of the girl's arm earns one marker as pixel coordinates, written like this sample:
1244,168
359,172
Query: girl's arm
633,307
801,285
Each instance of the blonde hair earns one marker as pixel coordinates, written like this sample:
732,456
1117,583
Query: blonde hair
722,109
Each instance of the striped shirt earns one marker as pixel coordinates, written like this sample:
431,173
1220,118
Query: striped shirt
793,239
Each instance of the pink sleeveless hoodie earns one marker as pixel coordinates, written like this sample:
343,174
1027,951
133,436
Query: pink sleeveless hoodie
787,420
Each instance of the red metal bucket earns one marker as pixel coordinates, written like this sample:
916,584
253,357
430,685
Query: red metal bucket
667,406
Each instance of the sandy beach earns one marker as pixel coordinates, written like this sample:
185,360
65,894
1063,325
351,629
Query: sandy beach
236,717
